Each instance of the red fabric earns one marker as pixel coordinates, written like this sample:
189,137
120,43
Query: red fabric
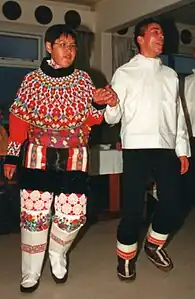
91,120
18,129
10,165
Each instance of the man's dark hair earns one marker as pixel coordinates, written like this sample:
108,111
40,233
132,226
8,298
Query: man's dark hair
141,28
55,31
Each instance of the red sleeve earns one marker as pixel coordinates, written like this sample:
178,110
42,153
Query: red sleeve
96,112
95,117
18,132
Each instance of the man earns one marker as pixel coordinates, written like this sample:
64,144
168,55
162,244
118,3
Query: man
154,140
54,111
187,183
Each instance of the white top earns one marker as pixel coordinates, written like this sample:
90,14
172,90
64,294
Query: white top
190,98
149,106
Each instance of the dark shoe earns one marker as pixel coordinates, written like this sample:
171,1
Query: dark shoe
59,280
29,289
158,256
126,270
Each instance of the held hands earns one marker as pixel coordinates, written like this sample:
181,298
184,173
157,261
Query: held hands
184,164
106,96
9,171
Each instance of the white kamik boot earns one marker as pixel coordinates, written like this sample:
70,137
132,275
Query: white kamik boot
60,242
33,245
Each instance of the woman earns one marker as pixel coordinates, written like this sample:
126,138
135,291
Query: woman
54,111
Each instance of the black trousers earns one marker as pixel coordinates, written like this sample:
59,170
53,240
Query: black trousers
138,165
54,181
55,178
187,183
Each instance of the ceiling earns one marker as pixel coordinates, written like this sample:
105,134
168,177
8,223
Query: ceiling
81,2
184,14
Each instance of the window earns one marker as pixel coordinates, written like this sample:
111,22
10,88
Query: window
164,59
184,64
20,49
20,53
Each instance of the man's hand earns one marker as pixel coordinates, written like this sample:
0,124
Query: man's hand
118,146
9,171
106,96
184,164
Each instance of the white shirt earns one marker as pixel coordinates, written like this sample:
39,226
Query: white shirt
190,98
149,106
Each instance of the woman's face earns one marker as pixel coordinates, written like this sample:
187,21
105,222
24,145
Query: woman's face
63,51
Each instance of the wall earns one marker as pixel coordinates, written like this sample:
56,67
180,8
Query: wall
109,14
58,10
27,23
102,55
115,13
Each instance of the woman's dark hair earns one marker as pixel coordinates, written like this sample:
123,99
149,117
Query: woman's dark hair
141,28
55,31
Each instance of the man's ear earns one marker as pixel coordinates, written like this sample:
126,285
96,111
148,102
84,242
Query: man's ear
140,40
48,47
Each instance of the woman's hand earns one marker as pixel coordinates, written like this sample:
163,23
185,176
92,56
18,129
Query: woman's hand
106,96
9,171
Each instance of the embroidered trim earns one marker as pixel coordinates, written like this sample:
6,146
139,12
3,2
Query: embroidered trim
74,138
126,256
36,157
35,223
33,249
59,241
13,148
156,238
67,224
77,159
155,241
71,204
36,200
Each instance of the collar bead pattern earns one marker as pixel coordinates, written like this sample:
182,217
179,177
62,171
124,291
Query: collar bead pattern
51,99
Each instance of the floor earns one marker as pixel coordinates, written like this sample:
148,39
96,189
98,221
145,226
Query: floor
92,273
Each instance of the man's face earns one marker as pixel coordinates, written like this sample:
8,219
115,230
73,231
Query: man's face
63,51
151,44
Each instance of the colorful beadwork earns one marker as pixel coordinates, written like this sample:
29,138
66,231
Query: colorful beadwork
35,223
67,224
14,148
55,103
59,112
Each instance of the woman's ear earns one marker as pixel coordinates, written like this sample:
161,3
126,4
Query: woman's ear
48,47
